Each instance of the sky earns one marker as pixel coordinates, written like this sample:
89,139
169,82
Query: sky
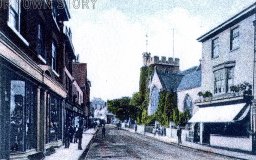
111,37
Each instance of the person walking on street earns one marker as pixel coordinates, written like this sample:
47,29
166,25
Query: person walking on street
71,134
79,135
75,137
67,137
179,132
103,131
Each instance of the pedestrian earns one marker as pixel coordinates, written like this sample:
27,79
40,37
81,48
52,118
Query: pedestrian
79,135
154,131
67,137
71,134
135,127
75,137
118,125
179,132
103,131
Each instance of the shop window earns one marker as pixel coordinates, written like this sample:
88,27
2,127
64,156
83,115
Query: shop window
31,118
23,116
55,120
17,137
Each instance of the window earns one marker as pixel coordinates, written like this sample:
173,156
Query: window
234,38
154,100
219,81
40,41
215,48
223,79
54,10
23,116
17,138
54,118
230,78
188,105
14,14
54,56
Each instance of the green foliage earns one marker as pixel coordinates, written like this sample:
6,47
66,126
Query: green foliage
204,94
207,94
200,94
136,99
167,107
176,116
143,81
184,117
122,108
147,119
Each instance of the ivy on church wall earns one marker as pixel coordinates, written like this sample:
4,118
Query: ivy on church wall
167,109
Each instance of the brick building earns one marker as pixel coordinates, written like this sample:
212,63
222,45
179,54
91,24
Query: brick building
82,81
37,97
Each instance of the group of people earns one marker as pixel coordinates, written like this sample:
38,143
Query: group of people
73,135
158,130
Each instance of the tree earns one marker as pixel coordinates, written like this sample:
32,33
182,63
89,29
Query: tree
122,109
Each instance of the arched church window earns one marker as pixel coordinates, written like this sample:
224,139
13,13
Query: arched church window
154,99
188,104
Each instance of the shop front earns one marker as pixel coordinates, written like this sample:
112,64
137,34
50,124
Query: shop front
18,111
226,122
31,109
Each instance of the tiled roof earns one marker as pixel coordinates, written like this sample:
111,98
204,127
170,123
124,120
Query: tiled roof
170,81
191,79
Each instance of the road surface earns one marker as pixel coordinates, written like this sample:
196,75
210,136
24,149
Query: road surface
121,144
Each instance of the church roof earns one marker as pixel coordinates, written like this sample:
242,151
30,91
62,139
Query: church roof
191,79
169,80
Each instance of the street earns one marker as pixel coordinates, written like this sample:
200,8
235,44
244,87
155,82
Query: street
120,144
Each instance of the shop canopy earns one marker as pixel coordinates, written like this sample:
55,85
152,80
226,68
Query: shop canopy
221,114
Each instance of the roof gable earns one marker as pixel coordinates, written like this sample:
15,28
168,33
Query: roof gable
191,80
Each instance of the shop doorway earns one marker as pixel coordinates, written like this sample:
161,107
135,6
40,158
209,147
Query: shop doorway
4,117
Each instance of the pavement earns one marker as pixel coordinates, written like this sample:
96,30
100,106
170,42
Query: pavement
206,148
72,153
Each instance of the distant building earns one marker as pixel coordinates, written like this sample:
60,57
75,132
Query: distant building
80,76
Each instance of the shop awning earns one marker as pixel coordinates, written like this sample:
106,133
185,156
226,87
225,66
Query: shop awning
221,114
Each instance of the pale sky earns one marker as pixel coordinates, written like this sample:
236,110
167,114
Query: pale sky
111,37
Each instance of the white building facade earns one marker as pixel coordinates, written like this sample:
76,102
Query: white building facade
228,73
188,90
